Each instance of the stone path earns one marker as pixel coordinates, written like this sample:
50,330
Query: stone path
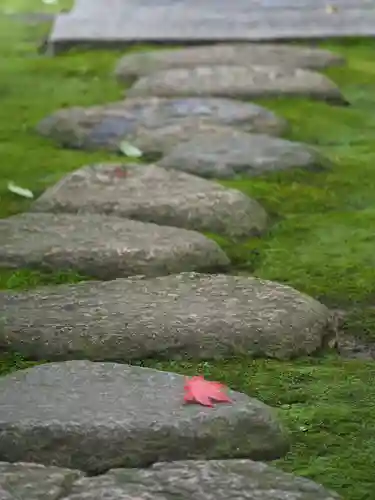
98,416
104,247
182,480
220,155
106,126
191,316
181,200
117,23
239,82
138,64
118,221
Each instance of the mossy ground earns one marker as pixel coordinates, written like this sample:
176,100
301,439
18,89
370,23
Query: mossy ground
322,240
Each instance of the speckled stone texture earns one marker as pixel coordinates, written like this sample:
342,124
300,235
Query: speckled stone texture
221,155
155,142
104,127
134,65
151,194
237,82
201,480
30,481
182,480
191,316
104,247
97,416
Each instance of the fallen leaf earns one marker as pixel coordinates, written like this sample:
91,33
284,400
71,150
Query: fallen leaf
13,188
120,172
331,9
131,151
204,392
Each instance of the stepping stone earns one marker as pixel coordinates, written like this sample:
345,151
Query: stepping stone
97,416
207,21
203,480
187,479
106,126
181,200
223,155
237,82
144,63
30,481
160,141
192,316
104,247
152,142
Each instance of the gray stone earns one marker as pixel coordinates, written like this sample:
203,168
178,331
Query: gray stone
160,141
95,7
200,480
97,416
191,316
148,120
180,200
28,481
144,63
223,155
182,480
104,247
205,21
237,82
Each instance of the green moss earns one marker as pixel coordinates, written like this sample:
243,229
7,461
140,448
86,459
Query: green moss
320,240
23,279
9,362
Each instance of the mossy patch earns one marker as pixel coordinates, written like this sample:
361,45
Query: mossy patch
321,240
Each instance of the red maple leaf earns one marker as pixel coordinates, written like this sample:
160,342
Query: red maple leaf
201,391
120,172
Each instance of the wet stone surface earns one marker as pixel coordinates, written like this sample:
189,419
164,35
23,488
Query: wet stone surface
237,82
104,247
185,316
132,66
141,119
180,200
222,155
97,416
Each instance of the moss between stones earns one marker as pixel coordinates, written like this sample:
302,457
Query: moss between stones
322,240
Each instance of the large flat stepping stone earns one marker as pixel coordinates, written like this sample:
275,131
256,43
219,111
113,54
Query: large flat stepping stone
203,480
153,142
180,200
222,155
104,247
238,82
144,63
97,416
30,481
207,21
183,316
184,479
107,126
